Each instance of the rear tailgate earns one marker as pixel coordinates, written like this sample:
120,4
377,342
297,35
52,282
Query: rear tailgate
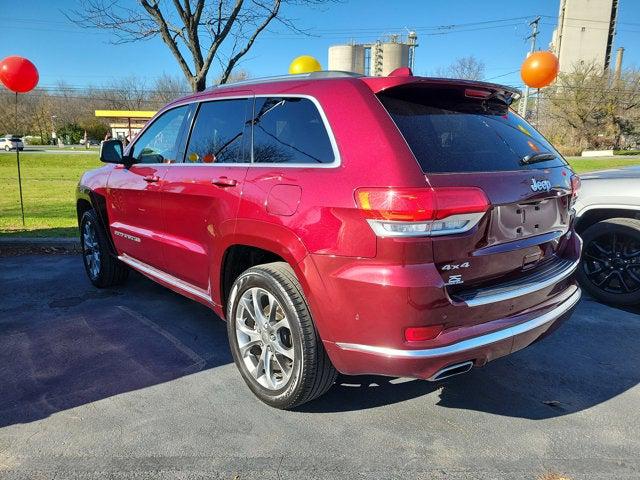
463,135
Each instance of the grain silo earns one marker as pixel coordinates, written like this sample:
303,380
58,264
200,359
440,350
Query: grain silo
347,58
375,59
394,55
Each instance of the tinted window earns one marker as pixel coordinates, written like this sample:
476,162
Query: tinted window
219,133
159,143
450,133
289,130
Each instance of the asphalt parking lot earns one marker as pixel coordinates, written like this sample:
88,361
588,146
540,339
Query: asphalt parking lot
138,382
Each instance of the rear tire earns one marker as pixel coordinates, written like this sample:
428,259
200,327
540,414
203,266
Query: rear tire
273,340
610,266
103,269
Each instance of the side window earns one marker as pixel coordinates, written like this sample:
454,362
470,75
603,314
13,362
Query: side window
159,143
289,130
218,135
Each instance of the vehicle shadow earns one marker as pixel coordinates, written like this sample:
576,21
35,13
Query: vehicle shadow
64,343
592,358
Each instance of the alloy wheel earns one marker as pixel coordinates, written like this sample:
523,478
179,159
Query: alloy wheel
612,263
91,249
264,338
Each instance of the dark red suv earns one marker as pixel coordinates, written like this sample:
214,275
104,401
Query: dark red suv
402,226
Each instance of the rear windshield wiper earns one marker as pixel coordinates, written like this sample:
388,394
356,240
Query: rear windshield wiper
537,157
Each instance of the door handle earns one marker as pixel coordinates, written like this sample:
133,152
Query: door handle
151,178
224,182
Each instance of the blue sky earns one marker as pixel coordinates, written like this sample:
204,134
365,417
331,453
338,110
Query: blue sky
62,51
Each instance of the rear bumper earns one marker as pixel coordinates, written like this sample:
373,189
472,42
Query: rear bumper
362,307
425,363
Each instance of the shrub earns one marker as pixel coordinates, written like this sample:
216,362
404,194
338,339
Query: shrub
626,152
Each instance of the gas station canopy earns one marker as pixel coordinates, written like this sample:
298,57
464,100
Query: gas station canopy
139,117
146,114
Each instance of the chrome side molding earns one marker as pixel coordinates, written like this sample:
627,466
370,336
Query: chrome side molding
165,277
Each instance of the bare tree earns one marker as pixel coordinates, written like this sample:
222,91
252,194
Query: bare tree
167,88
468,68
585,108
39,114
623,108
576,101
236,76
8,121
221,30
129,93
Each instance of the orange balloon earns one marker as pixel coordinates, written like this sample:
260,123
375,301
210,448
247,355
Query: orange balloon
539,69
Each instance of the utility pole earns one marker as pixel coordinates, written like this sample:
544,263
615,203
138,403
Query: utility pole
534,34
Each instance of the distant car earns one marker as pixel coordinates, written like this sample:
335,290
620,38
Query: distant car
11,143
608,219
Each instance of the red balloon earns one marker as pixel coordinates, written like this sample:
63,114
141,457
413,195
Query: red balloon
18,74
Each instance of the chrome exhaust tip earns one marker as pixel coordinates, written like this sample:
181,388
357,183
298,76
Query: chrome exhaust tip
452,371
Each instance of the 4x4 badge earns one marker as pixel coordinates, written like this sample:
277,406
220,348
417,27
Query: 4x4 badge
539,185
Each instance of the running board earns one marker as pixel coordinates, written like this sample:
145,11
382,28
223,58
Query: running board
166,278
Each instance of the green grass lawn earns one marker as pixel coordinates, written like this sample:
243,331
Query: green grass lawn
582,165
48,189
49,181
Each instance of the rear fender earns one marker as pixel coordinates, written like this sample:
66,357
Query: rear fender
280,241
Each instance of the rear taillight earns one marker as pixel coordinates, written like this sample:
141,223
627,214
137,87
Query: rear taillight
421,211
575,188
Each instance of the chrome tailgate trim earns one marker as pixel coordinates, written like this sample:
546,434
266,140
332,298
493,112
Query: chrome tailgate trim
545,277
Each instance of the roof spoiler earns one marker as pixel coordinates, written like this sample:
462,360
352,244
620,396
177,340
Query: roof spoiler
381,84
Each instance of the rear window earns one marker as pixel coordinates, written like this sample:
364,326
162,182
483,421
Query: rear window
448,132
219,134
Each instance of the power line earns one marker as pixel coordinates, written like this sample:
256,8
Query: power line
381,28
503,75
591,20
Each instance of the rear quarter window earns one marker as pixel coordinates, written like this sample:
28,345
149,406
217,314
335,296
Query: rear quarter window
290,130
450,133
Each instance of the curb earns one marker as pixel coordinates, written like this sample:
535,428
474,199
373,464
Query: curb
40,245
41,242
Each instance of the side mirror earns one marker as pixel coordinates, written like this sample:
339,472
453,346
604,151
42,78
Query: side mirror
111,151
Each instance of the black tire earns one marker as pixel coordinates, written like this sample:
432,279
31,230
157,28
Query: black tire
110,271
312,373
7,148
600,237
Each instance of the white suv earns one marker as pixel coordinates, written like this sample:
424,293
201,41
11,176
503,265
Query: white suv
11,143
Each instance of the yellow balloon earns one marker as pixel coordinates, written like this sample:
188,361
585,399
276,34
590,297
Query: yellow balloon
304,64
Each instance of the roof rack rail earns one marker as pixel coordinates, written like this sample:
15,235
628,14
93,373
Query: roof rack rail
288,78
